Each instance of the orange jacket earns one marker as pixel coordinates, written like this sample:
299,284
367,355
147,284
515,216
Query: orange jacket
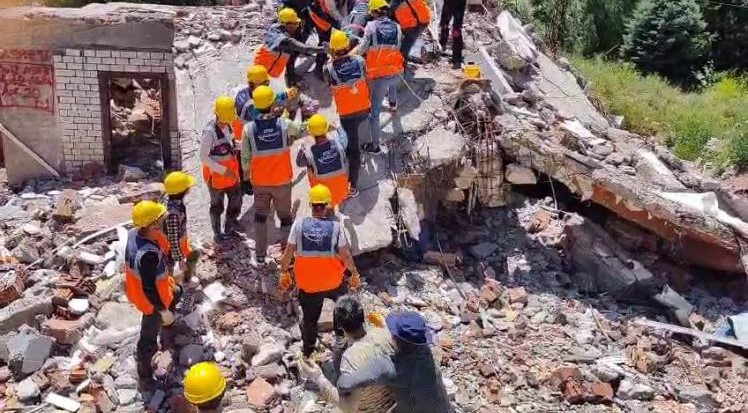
138,246
328,166
383,57
269,53
349,87
223,153
412,13
317,266
271,152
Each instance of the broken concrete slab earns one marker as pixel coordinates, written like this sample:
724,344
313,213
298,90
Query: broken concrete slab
117,316
67,204
520,175
27,351
24,311
651,168
517,49
440,146
102,216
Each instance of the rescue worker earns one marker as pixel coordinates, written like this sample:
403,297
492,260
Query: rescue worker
204,387
355,22
280,42
346,74
384,64
326,160
266,155
452,11
359,387
176,185
322,254
221,168
326,15
414,17
149,284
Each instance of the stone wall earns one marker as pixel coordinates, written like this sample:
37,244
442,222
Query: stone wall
54,64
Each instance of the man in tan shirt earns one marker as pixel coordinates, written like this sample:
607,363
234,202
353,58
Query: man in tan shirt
363,364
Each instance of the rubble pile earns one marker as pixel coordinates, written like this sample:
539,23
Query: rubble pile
135,109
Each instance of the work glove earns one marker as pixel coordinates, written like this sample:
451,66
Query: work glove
355,281
167,318
293,93
284,283
376,319
308,369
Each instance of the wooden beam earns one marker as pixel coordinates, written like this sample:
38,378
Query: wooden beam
4,131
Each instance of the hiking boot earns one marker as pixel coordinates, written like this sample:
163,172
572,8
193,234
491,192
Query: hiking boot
370,148
232,227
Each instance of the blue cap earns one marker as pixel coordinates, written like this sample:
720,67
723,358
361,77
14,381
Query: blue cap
411,327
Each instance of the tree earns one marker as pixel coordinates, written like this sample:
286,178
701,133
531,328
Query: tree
668,37
729,22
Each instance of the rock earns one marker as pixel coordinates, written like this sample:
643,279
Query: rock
194,42
126,396
260,393
11,286
651,168
616,158
67,203
600,393
78,305
225,35
31,228
89,258
440,146
27,351
325,322
67,331
602,147
151,191
117,316
229,321
250,345
270,372
191,354
126,381
605,373
490,291
26,252
214,37
267,353
27,390
628,390
517,295
562,375
131,173
540,221
520,175
698,395
483,250
101,216
182,46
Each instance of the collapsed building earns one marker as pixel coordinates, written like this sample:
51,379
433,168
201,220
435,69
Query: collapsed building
547,228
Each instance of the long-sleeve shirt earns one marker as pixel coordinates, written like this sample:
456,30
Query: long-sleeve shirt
363,367
148,273
294,129
207,143
176,227
341,137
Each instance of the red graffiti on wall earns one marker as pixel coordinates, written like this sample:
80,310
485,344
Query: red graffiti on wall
27,79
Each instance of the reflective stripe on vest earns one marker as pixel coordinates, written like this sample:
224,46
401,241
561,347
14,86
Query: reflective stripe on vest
349,89
411,13
269,54
136,248
271,154
383,58
317,266
223,153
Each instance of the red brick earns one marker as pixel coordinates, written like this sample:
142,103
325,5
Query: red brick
260,393
562,375
574,391
490,291
601,393
518,295
11,286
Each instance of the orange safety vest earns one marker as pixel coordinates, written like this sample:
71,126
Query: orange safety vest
317,266
269,54
383,57
349,87
328,166
223,153
320,14
411,13
271,153
138,246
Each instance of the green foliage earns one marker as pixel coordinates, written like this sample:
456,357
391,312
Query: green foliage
728,21
686,121
668,37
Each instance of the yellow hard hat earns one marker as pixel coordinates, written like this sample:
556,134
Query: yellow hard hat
145,213
288,15
471,71
257,74
178,182
225,109
317,125
263,97
338,40
320,194
377,4
203,383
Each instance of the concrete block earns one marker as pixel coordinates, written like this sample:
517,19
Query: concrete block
72,52
64,72
116,53
91,81
111,61
129,54
79,59
131,68
23,311
60,65
137,62
68,59
27,352
143,55
93,60
157,55
75,66
89,53
103,53
76,80
57,58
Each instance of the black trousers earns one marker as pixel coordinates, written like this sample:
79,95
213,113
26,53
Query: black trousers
233,206
311,308
358,130
321,58
150,329
452,11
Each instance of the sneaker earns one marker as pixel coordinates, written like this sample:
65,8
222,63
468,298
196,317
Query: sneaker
353,192
372,149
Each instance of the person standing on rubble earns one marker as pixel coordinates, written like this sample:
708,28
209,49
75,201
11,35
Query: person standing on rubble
280,43
205,386
452,11
414,17
384,64
176,185
346,75
326,160
355,22
266,155
322,254
221,168
149,284
326,15
359,387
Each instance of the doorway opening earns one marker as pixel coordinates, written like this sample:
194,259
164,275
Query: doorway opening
136,138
